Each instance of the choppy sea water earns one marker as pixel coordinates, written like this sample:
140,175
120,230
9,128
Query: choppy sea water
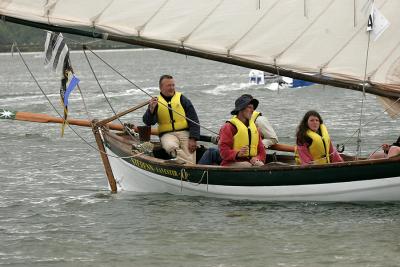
55,209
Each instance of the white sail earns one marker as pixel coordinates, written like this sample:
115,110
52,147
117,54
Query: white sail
326,37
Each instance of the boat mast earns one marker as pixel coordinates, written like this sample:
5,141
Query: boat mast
353,85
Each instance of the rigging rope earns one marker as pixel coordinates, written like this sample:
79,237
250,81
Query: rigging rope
15,45
373,120
363,97
85,47
55,109
119,73
81,94
279,76
104,94
138,87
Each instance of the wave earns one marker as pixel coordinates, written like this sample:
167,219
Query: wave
32,99
227,88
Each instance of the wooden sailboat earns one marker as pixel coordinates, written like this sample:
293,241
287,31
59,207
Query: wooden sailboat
318,46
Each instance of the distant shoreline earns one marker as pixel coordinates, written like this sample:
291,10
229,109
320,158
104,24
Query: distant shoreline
32,40
110,50
40,47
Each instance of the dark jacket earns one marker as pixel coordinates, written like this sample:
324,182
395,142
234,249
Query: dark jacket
397,143
194,128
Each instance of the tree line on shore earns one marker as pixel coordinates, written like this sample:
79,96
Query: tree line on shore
32,39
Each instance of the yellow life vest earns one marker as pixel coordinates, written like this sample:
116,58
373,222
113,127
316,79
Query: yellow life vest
255,115
296,156
319,149
168,120
245,136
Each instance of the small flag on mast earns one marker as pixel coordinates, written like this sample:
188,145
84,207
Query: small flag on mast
370,23
72,84
56,52
377,23
57,58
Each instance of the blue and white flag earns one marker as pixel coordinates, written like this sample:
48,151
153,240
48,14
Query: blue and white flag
56,53
56,56
72,84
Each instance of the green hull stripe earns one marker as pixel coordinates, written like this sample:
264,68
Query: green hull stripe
262,177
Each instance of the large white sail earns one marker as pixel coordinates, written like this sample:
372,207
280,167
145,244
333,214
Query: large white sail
326,37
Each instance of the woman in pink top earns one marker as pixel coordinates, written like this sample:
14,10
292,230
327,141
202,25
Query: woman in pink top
313,142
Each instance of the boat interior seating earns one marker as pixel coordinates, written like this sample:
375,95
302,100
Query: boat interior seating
160,153
272,159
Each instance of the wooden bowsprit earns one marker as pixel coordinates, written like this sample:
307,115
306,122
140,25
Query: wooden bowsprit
44,118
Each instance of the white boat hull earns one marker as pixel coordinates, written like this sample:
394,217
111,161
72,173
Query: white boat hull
132,178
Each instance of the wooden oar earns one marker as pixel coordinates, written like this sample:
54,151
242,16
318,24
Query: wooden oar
282,147
44,118
104,122
278,147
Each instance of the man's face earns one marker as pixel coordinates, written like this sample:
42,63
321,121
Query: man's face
167,87
248,111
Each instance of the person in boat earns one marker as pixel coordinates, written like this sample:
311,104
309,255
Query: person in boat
178,123
240,142
268,136
388,151
314,145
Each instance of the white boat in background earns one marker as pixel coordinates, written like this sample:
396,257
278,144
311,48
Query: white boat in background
256,77
274,81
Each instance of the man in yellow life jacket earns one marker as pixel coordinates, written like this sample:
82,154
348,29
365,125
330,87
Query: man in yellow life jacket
170,109
240,143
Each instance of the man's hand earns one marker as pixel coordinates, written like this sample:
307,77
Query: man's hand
385,148
256,162
215,139
152,104
192,145
129,125
243,152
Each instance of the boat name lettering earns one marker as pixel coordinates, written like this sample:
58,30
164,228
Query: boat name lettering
143,165
149,167
166,171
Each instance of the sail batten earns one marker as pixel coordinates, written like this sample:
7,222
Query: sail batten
322,41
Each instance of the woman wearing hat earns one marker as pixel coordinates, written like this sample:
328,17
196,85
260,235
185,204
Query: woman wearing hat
240,143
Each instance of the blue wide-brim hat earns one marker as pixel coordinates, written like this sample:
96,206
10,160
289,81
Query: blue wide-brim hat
242,102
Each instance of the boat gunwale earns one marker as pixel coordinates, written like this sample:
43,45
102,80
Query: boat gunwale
269,166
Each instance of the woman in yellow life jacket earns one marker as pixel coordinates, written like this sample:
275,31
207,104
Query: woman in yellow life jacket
314,145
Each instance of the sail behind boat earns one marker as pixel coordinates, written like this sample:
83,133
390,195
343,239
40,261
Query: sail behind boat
325,37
